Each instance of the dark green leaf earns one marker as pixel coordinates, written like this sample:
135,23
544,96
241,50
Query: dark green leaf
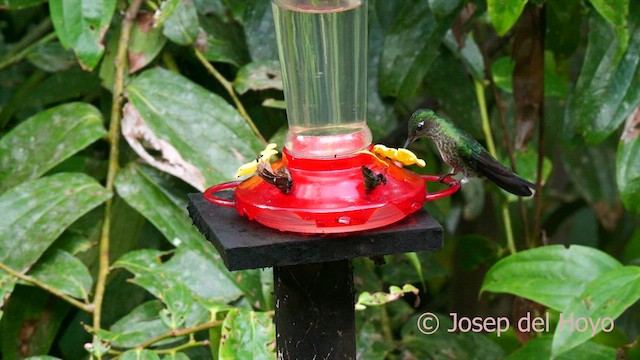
81,25
259,75
182,26
146,42
248,335
540,348
628,163
469,54
205,130
259,28
475,251
552,275
51,57
446,345
606,297
42,357
370,343
411,47
18,4
615,12
607,89
64,272
222,42
63,86
45,140
36,212
33,318
146,197
504,13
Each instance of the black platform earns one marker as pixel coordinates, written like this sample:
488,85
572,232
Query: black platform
313,275
245,244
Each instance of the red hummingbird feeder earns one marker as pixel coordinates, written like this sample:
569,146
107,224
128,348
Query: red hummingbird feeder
323,50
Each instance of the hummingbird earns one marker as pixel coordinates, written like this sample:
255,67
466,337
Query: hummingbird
463,153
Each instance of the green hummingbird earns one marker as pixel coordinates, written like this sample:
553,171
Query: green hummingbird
463,153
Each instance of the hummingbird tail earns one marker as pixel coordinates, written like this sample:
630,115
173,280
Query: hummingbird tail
503,177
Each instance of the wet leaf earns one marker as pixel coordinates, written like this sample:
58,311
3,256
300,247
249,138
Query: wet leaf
608,86
165,157
146,42
540,348
81,25
551,275
36,212
221,42
247,335
615,12
411,46
504,13
172,221
45,140
51,57
204,129
182,26
628,163
259,28
608,296
64,272
259,75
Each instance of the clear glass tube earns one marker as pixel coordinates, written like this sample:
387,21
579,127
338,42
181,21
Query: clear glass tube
323,54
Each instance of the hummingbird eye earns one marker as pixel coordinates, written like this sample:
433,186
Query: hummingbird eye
420,126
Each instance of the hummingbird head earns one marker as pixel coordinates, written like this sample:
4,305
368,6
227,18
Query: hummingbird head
422,123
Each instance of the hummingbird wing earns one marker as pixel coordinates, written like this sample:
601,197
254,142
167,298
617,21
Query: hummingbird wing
486,165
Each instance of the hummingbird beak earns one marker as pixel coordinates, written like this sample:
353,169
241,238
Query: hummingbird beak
409,141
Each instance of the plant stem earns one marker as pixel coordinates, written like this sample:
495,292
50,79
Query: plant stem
486,129
114,139
180,332
79,304
229,87
188,345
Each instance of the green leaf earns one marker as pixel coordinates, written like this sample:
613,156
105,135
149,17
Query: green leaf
247,335
616,13
146,42
172,221
259,28
259,75
446,345
370,343
139,354
608,86
18,4
551,275
33,318
182,26
64,272
555,84
540,348
469,54
63,86
628,163
380,298
504,13
222,42
603,300
81,25
411,47
51,57
205,130
36,212
46,139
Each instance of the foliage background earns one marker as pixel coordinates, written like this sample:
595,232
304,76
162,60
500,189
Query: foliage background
552,87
